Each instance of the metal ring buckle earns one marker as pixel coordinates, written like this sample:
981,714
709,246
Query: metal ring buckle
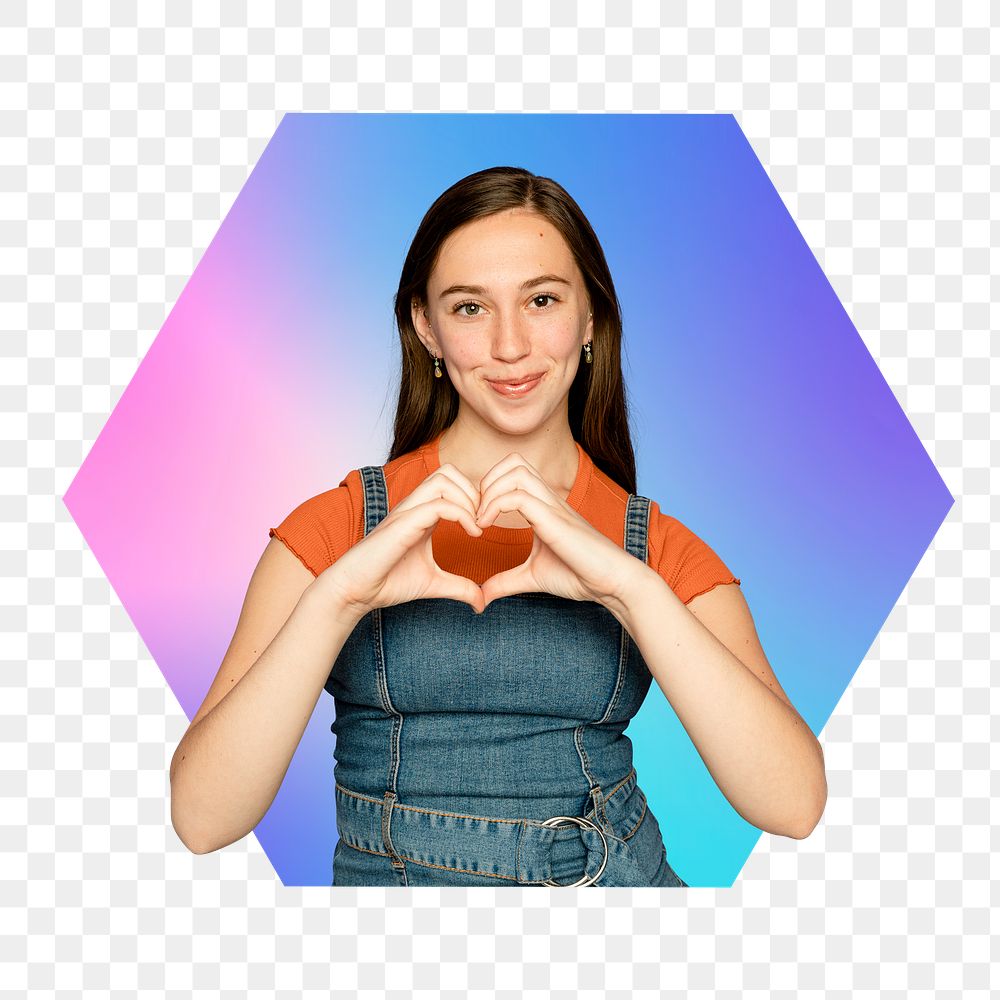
582,822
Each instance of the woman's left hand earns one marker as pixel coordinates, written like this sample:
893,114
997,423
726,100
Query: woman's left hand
569,557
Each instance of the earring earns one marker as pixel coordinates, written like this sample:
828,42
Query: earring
437,361
588,357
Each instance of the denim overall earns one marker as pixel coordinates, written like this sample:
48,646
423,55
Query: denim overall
489,750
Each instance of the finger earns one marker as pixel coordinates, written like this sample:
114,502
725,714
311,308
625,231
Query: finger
443,486
414,521
511,581
505,464
449,470
536,509
458,588
519,477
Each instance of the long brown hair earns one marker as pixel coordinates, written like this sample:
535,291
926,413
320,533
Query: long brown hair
598,410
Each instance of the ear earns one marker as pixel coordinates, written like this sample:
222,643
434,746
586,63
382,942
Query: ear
418,314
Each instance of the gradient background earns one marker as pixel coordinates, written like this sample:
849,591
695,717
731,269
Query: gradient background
759,417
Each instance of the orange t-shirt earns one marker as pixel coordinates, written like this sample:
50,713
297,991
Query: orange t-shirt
320,530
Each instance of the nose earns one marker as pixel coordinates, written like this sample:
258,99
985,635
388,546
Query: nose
511,339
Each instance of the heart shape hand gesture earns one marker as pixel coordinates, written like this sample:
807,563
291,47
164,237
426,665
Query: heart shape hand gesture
569,557
395,563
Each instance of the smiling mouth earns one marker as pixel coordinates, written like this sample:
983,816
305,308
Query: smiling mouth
513,390
530,377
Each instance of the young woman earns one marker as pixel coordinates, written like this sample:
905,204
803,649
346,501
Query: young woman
496,599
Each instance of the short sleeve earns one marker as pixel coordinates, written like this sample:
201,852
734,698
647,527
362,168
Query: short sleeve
689,565
320,530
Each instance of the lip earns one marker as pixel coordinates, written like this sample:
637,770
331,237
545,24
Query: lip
518,389
530,377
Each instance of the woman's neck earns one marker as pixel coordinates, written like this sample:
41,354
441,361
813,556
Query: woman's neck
554,456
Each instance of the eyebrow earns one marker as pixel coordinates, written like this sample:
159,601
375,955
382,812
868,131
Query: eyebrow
479,290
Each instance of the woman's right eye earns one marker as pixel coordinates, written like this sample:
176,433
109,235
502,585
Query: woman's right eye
463,305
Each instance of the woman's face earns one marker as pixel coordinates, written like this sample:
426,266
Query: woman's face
506,300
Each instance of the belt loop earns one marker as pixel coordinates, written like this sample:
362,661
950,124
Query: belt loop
388,802
599,810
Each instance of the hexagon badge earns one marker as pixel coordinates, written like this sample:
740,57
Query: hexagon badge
759,418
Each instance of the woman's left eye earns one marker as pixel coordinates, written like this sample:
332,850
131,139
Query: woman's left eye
537,297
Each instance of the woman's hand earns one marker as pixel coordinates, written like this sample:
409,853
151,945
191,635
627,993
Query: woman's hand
394,563
569,557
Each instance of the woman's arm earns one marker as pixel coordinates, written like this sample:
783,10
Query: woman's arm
759,750
229,765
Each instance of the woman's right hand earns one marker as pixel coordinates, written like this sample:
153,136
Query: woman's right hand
394,562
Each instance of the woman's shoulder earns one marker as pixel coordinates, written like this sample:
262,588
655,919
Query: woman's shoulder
320,529
688,564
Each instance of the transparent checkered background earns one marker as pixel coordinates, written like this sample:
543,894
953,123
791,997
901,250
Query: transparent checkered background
122,149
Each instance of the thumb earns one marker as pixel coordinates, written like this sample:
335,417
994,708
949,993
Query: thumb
503,585
459,588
